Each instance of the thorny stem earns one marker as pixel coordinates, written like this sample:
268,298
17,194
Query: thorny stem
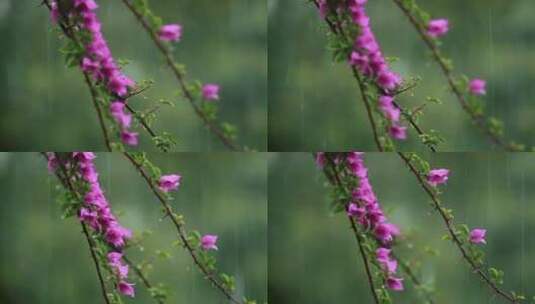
477,118
65,181
337,29
182,233
337,181
451,230
227,141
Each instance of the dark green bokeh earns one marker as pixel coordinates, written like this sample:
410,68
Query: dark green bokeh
315,105
44,259
314,258
46,106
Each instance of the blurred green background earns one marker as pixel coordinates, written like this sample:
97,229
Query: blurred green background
313,256
44,259
315,105
46,106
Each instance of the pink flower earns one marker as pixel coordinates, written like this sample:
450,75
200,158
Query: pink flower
437,176
386,232
170,32
320,159
119,84
208,242
386,104
169,182
89,65
323,8
116,235
437,27
117,111
398,132
114,257
382,253
395,283
388,80
126,288
477,236
54,12
129,138
353,210
85,5
210,92
478,87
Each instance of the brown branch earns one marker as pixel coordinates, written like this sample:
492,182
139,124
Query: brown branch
140,274
357,236
451,230
227,141
181,231
68,185
99,111
68,33
477,118
65,181
337,181
337,29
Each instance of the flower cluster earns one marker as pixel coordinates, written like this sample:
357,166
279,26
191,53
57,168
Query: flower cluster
368,58
100,64
366,209
97,214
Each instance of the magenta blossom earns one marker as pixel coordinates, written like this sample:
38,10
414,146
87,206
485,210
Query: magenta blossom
437,176
437,27
169,182
395,283
320,159
208,242
398,132
477,236
210,91
354,210
126,288
170,32
129,138
478,87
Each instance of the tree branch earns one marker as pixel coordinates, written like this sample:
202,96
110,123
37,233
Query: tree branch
181,231
451,230
227,141
477,118
65,181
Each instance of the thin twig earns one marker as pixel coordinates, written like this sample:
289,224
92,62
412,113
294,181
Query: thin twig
357,236
227,141
337,29
451,230
477,118
67,185
181,231
99,111
140,274
94,95
337,181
